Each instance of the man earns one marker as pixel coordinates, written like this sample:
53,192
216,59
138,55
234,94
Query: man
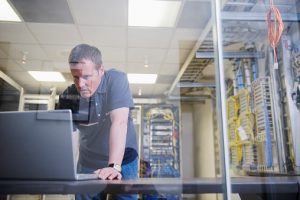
100,101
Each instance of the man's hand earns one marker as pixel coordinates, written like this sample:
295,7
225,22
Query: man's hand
108,173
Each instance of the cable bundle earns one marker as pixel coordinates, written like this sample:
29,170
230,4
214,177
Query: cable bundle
275,28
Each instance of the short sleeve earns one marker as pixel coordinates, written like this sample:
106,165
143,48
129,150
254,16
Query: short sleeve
118,93
67,100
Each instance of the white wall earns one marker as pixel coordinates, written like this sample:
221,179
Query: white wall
187,138
204,143
204,140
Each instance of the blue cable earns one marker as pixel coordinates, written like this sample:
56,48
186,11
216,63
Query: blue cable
268,143
254,70
240,78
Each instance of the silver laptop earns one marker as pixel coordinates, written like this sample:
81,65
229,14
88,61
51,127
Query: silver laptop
38,145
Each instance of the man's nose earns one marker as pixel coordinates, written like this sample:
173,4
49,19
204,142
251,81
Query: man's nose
81,82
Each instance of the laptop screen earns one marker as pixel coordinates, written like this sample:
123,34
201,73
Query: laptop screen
38,141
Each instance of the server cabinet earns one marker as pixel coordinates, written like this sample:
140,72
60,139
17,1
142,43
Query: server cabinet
160,144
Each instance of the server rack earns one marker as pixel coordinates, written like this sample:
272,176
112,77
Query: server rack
161,140
263,110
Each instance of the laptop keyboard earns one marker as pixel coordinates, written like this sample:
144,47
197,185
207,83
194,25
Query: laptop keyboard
86,176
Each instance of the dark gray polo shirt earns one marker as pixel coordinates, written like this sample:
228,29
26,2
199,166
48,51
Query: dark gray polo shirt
94,122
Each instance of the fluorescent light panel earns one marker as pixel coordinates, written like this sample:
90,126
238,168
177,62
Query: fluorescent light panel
142,78
7,13
47,76
152,13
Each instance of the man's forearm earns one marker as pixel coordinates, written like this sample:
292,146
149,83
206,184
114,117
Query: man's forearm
118,132
117,141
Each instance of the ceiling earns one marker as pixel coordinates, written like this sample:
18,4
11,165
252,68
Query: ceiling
50,29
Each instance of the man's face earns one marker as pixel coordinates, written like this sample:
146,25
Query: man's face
86,77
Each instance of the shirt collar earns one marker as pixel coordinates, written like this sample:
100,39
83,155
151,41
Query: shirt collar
102,88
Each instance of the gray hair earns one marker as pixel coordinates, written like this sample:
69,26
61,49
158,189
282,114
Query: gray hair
85,51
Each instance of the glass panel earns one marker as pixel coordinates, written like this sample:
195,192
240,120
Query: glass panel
176,122
9,95
260,56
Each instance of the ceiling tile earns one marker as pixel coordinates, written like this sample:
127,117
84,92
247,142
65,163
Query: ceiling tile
104,12
140,54
195,15
17,51
170,69
139,68
43,11
103,36
55,33
149,37
115,65
30,65
37,65
2,54
165,79
185,38
177,56
62,66
49,66
9,65
183,44
21,77
110,54
15,33
59,53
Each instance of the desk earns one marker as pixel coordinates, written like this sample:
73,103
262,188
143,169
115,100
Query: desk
247,185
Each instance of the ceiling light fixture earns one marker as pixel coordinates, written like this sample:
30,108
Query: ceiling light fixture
152,13
45,76
24,57
7,13
142,78
146,62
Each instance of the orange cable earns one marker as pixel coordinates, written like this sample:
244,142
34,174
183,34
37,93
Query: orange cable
275,28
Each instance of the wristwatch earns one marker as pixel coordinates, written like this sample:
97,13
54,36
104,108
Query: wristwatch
115,166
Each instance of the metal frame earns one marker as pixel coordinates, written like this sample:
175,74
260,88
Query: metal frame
257,16
229,55
221,97
15,85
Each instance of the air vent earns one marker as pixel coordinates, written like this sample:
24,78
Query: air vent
44,11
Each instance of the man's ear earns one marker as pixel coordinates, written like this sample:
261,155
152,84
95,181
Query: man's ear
101,69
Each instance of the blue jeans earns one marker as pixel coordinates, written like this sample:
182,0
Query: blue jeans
129,171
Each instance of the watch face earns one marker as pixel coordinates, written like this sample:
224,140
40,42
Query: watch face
116,167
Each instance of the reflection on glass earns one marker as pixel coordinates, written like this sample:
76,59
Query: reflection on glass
176,118
9,96
261,44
